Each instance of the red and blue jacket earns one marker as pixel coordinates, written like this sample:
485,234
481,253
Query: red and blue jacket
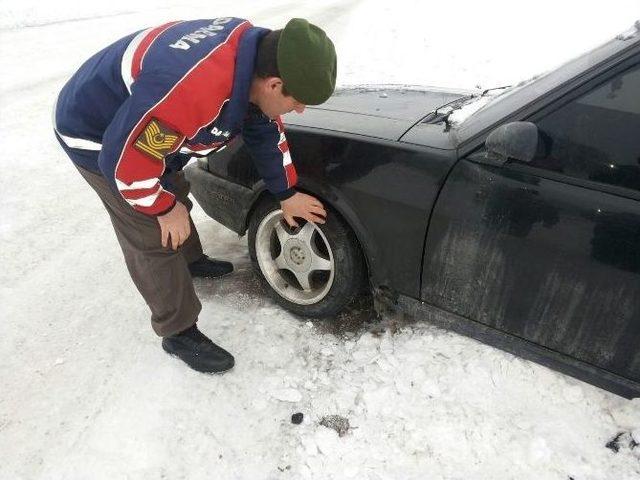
151,100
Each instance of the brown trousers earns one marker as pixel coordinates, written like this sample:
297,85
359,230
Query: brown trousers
160,274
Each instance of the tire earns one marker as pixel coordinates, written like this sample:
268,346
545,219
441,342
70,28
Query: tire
331,245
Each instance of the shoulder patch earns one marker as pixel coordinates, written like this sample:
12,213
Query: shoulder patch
156,140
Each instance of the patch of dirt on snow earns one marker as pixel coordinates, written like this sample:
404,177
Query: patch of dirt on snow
365,315
337,423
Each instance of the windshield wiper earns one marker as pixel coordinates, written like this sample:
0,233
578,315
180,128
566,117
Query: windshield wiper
441,114
494,88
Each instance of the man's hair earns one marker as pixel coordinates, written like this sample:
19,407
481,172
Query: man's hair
267,58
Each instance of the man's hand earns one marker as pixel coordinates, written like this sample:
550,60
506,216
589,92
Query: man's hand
302,206
175,225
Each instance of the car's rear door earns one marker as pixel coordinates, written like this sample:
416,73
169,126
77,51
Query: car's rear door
550,251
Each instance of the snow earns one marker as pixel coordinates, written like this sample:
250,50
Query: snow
460,115
87,392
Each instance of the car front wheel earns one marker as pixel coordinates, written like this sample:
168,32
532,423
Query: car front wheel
312,270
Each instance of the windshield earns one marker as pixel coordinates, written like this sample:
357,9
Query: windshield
562,73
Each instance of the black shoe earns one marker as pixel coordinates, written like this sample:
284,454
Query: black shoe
196,350
210,267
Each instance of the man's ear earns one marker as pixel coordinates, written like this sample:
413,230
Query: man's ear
274,82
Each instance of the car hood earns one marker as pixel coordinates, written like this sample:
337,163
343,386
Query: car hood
376,111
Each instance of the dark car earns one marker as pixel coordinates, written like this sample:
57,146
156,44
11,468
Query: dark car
517,224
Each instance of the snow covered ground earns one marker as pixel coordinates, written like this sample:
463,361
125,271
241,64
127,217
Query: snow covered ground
87,393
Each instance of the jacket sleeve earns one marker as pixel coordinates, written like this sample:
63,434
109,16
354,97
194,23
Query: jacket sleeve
154,122
270,152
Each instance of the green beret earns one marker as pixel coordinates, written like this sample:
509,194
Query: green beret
307,62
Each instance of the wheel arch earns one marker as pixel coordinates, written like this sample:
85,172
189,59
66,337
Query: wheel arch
376,272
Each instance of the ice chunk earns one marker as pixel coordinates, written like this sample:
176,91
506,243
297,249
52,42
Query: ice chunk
287,395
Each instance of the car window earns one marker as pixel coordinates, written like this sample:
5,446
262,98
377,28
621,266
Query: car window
597,135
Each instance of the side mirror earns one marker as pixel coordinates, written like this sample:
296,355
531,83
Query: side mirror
515,140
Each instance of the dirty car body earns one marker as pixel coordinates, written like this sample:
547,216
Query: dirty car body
538,256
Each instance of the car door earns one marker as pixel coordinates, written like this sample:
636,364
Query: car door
549,251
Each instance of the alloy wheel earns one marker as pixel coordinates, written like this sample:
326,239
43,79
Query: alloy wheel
298,264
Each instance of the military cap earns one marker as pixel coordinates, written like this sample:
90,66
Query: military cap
307,62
